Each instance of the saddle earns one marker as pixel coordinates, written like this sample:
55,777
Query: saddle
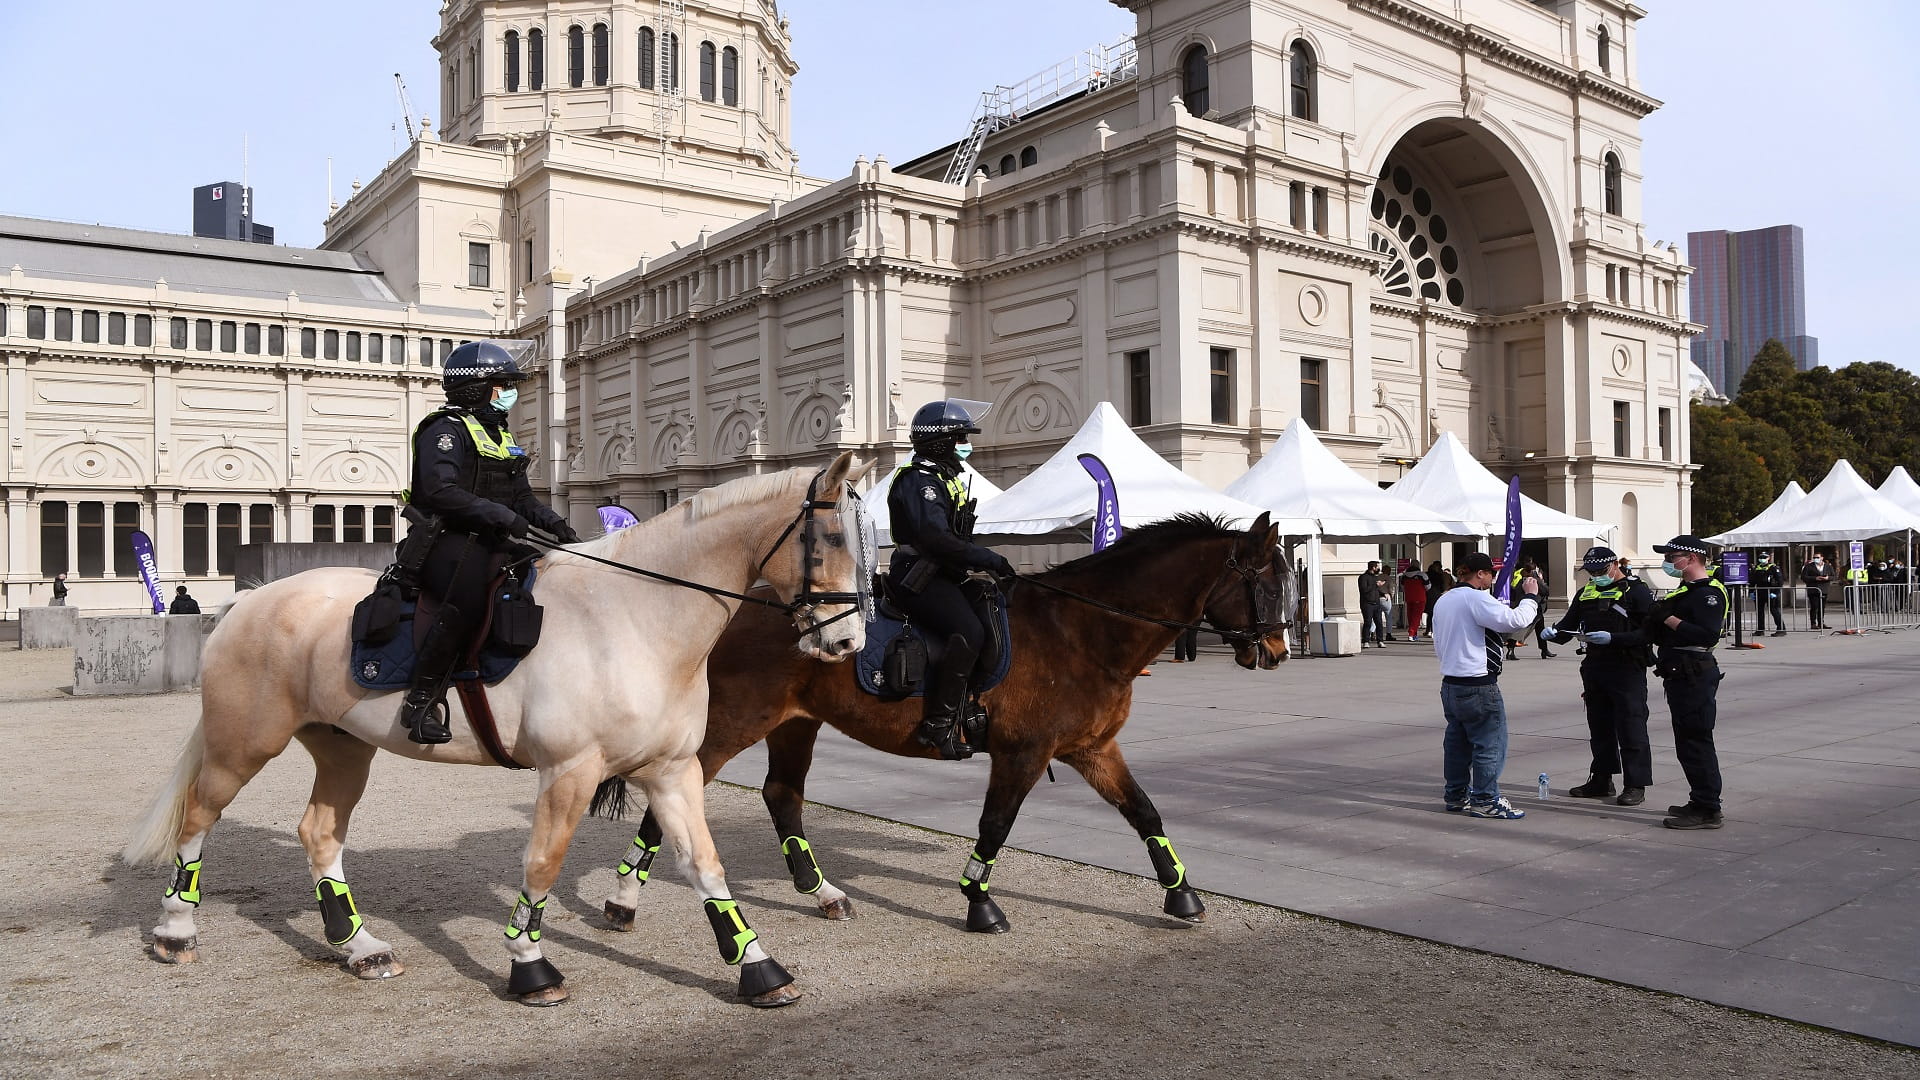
892,666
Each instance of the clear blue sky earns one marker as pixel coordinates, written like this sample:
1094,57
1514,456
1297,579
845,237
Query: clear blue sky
1777,112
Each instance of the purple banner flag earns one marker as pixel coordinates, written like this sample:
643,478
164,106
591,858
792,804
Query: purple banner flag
1106,516
149,570
1509,554
615,518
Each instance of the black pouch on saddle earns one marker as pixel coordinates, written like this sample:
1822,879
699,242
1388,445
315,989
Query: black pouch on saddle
906,664
377,618
516,619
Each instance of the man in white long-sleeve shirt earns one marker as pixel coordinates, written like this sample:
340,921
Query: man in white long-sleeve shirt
1470,629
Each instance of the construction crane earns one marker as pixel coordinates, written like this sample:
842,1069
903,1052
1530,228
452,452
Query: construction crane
406,107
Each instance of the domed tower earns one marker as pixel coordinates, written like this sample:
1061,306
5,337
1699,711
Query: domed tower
712,79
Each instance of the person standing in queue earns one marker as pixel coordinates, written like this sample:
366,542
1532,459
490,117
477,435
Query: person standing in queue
1686,625
1607,614
469,503
1815,575
929,577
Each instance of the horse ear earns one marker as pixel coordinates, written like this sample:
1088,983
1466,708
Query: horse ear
836,473
859,472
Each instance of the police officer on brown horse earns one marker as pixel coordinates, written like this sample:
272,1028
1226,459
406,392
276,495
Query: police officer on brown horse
928,580
469,502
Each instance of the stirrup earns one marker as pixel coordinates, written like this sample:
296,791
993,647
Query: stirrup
429,727
944,738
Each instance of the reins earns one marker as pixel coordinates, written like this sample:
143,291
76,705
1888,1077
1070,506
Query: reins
1250,637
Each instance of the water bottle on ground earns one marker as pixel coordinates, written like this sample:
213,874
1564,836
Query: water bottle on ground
1543,787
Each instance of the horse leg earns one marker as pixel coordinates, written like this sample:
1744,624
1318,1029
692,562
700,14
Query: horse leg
556,814
676,794
340,767
1012,777
633,872
789,756
1105,770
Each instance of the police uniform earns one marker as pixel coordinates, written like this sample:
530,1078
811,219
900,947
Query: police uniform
1767,580
469,501
932,516
1613,679
1692,677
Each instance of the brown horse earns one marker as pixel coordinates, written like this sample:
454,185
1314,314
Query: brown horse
1081,633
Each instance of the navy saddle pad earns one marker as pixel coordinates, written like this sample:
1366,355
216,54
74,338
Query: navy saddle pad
389,665
881,630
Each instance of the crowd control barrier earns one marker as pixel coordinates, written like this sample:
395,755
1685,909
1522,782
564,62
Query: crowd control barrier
1882,607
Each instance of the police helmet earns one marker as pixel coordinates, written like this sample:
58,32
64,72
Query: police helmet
938,425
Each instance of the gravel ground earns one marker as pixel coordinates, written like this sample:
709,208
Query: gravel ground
1093,982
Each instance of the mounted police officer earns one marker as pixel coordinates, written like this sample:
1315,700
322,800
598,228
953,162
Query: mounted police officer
1686,625
1606,614
932,513
469,502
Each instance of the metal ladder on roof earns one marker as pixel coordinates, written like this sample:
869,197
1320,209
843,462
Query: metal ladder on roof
1004,106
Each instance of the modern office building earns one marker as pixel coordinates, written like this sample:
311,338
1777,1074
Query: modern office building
1748,287
224,211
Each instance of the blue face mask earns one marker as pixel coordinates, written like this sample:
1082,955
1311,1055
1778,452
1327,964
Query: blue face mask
1670,568
963,451
508,395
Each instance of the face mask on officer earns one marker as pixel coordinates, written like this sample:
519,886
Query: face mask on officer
963,451
506,397
1672,570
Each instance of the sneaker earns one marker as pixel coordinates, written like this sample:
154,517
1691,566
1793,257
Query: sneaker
1693,817
1498,808
1631,796
1454,806
1596,787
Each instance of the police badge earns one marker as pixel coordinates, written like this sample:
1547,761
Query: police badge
370,670
445,443
927,494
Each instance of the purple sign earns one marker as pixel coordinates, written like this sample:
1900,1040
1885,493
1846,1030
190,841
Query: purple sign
1106,515
1510,554
1733,568
149,570
615,518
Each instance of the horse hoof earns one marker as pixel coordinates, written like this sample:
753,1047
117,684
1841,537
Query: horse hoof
838,910
618,917
380,965
545,997
776,997
176,950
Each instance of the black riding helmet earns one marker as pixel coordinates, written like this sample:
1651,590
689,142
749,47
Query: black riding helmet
477,366
938,425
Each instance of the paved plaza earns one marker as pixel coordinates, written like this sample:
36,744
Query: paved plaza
1316,787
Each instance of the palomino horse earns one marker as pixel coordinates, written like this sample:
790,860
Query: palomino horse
1081,634
617,688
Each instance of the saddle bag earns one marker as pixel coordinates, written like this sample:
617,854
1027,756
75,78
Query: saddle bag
905,666
377,617
516,619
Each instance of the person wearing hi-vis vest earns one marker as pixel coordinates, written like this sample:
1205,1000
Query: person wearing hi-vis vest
469,502
1856,575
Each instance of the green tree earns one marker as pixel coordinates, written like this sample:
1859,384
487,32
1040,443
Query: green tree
1744,463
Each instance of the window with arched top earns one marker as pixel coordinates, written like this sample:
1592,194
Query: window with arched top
1008,166
1612,185
729,76
602,47
536,60
473,76
1196,81
708,72
1029,156
1605,41
648,64
513,61
576,57
673,63
1303,74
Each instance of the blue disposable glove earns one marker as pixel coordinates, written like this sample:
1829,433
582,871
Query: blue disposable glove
1550,633
1597,637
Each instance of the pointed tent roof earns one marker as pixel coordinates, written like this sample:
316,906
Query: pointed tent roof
1765,520
1840,507
1299,477
1448,480
1899,487
1060,493
876,498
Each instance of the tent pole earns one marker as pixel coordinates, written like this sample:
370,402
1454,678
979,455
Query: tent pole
1316,588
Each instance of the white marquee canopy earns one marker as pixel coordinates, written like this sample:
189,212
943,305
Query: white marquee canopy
1899,487
1448,480
1840,507
1300,478
1765,520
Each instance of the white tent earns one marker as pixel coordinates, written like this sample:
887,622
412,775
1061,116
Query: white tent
982,488
1840,507
1765,520
1899,487
1060,494
1450,482
1300,478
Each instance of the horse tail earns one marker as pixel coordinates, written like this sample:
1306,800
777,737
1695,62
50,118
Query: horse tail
611,800
156,836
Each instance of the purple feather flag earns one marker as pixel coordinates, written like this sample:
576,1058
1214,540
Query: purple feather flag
149,570
615,518
1106,516
1509,554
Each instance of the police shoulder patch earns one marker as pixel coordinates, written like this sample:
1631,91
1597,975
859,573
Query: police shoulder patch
1712,600
927,494
444,442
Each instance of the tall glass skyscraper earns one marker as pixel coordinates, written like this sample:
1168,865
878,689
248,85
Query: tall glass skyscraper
1748,287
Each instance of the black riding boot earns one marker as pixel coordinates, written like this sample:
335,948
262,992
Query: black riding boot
946,703
422,712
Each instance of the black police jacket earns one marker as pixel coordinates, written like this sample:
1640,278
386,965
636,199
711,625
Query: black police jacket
1620,609
473,492
1768,577
1701,607
928,522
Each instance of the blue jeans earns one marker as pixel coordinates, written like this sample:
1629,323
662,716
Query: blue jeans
1475,747
1375,626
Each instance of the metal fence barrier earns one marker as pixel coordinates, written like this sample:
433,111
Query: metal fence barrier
1882,607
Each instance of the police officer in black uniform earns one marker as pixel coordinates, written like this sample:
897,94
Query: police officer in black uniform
1686,625
1606,614
1768,579
469,502
928,579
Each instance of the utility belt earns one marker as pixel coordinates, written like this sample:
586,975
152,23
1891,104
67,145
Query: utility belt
1685,662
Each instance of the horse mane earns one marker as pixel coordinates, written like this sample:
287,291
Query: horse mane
703,503
1153,537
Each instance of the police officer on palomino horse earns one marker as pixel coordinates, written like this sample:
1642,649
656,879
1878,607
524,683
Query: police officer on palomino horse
1607,615
469,502
932,578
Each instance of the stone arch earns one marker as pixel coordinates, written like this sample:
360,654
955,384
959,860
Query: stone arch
237,465
814,420
1035,407
1397,429
1626,540
93,460
357,469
